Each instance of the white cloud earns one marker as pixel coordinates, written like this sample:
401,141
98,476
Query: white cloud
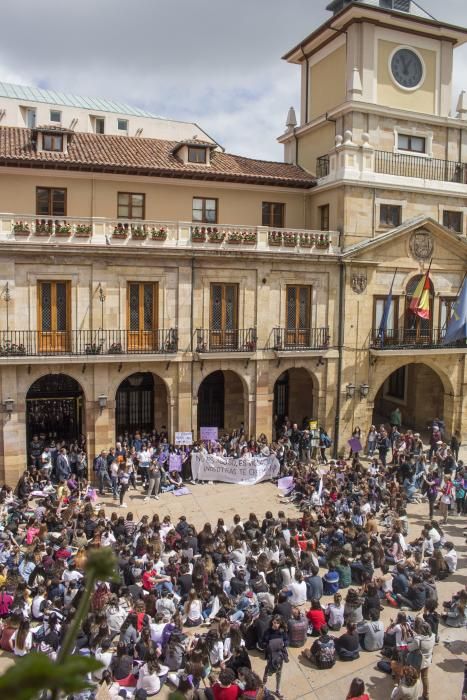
215,62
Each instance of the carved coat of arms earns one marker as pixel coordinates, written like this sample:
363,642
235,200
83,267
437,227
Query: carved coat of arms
421,245
359,282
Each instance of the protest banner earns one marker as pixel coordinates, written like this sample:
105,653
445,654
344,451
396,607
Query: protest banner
184,438
244,471
175,462
209,434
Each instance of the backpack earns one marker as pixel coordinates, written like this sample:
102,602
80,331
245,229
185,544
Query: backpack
326,656
414,658
275,654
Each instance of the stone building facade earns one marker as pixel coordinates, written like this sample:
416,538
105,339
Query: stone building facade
148,283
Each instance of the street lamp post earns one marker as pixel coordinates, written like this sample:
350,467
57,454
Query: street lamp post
6,295
102,300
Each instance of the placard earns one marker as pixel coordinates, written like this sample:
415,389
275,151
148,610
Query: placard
313,425
184,438
209,434
175,462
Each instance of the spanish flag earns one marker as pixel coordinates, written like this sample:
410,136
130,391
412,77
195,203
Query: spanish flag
420,304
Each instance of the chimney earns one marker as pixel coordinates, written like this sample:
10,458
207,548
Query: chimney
291,121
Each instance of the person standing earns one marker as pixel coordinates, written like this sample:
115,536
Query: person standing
124,482
275,641
100,467
448,496
424,641
154,483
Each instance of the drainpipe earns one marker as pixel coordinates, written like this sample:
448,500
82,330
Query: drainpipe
307,82
340,349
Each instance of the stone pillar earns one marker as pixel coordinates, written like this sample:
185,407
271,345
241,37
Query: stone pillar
264,400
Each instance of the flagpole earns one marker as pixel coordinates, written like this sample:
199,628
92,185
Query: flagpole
381,330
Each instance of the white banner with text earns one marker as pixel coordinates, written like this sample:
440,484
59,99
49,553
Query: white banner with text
244,470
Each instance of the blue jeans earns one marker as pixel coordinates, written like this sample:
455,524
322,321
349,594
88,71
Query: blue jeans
159,587
114,484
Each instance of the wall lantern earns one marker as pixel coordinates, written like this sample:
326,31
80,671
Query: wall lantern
364,389
350,391
102,401
9,405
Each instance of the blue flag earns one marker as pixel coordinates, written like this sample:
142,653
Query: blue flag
386,311
457,326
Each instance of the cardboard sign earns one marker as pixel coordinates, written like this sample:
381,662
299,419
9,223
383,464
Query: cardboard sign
175,463
313,425
209,434
184,438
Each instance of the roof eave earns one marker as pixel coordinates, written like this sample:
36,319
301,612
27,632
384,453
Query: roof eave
356,12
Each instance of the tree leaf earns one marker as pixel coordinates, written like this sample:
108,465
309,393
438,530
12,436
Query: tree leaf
36,672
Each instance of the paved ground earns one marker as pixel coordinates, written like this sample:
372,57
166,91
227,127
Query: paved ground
299,679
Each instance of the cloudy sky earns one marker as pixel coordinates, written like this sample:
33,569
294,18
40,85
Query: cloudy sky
216,62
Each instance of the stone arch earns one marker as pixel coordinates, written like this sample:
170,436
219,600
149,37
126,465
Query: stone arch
295,395
142,403
222,397
422,391
278,371
55,408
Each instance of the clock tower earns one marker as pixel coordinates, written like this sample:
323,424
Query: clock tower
376,76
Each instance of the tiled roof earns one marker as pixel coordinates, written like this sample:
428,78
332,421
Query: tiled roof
125,154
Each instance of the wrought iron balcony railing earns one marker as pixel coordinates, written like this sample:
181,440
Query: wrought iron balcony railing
406,165
238,340
411,339
87,342
299,339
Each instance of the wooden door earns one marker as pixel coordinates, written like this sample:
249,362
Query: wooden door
224,316
54,317
298,316
142,316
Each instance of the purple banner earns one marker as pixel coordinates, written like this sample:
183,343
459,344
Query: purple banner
175,463
355,444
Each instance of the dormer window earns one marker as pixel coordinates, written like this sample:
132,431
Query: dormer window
194,151
197,154
55,116
52,142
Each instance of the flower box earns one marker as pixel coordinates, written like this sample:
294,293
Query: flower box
249,238
120,235
274,238
234,237
307,240
21,228
198,235
322,242
43,230
159,234
64,233
83,230
139,235
289,239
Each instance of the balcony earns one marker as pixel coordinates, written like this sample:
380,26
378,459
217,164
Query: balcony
151,234
212,341
17,344
412,339
299,340
421,167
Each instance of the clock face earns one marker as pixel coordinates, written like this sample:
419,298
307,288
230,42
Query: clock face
407,68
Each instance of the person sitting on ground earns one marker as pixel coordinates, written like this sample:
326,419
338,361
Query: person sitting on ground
334,613
456,615
323,651
297,628
409,686
357,690
371,632
348,644
316,617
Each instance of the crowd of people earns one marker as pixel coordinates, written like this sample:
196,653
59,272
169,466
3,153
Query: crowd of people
195,605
